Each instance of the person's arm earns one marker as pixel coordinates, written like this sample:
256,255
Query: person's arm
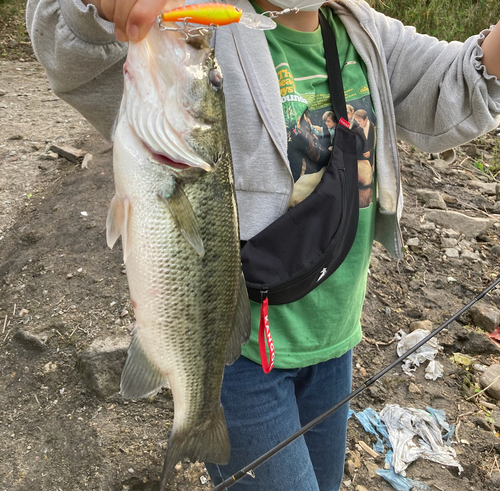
444,94
491,52
75,42
81,56
132,18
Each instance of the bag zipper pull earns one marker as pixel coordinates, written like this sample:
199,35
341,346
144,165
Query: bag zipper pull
265,334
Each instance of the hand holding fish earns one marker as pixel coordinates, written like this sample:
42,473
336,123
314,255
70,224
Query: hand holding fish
132,18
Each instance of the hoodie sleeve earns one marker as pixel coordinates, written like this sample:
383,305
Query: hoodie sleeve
81,56
442,93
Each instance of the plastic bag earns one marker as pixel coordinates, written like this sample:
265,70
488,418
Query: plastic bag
426,352
402,483
403,424
370,419
434,370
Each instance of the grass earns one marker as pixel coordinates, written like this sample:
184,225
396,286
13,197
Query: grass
445,19
14,39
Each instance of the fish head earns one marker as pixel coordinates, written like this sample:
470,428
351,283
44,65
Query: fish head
173,98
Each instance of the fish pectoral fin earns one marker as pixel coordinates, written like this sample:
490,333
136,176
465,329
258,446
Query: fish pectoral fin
183,214
241,325
140,376
117,223
114,222
205,443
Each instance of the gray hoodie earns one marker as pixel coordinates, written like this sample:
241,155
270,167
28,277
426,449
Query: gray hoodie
431,94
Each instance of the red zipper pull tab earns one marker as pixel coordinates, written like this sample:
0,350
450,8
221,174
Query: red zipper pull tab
345,123
265,336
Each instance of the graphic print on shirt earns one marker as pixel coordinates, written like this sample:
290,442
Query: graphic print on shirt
311,123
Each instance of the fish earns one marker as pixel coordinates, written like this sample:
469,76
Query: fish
176,212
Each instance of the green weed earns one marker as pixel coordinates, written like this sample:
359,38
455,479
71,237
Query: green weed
448,20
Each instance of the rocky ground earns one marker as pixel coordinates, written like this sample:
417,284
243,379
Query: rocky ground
65,316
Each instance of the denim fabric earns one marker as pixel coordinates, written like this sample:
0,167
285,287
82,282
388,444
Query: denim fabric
263,410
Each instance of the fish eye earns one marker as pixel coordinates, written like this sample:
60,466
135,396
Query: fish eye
215,77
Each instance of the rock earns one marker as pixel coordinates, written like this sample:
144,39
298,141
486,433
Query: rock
426,325
495,250
103,363
86,160
478,344
448,243
452,252
30,341
488,188
49,156
483,424
372,469
349,468
69,153
449,232
485,316
470,150
491,376
470,256
360,488
413,388
468,226
494,480
449,200
413,242
431,199
427,226
496,207
441,165
496,419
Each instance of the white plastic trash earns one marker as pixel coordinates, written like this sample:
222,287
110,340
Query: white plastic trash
403,424
426,352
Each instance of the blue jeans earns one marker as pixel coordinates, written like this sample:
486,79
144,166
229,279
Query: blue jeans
263,410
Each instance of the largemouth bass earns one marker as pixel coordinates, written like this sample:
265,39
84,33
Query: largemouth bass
175,210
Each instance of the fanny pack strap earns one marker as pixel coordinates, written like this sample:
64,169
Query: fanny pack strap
336,86
334,71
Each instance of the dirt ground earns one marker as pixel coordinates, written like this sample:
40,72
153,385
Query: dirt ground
61,288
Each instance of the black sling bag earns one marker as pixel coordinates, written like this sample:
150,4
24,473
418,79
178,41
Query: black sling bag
303,247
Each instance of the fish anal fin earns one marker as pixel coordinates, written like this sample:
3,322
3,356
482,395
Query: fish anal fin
140,376
208,442
241,326
117,223
183,214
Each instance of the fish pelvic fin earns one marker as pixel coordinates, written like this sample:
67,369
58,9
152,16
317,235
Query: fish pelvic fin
205,443
140,376
241,326
117,224
183,214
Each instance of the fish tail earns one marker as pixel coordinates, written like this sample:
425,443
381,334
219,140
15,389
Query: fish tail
208,443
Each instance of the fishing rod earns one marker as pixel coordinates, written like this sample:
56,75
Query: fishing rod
257,462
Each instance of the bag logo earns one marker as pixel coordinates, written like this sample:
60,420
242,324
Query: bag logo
323,272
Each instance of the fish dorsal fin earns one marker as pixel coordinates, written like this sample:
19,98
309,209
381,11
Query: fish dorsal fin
242,325
140,376
183,214
117,223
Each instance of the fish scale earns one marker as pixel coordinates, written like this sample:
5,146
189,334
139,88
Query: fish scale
180,240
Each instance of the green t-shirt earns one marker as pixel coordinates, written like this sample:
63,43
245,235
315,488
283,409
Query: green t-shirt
325,323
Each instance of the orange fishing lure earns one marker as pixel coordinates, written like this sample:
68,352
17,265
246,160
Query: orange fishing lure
219,14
